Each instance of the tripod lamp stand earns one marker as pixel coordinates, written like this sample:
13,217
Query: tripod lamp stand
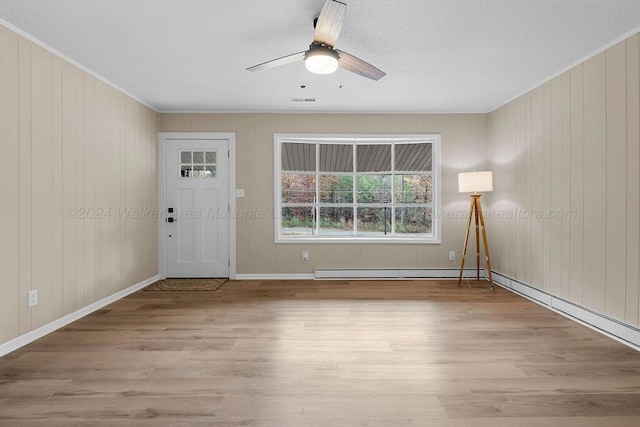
476,182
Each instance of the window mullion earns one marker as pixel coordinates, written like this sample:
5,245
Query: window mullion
316,201
278,188
393,195
355,193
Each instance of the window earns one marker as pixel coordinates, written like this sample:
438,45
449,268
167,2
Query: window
197,164
357,188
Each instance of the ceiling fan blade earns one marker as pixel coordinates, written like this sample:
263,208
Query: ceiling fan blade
278,62
358,66
330,22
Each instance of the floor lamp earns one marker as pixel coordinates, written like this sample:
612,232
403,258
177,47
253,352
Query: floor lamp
476,182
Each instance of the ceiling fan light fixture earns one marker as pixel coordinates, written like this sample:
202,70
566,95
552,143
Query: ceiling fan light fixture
321,60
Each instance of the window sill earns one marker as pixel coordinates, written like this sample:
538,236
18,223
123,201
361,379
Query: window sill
360,240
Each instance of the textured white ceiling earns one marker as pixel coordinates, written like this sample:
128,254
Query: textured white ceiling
439,55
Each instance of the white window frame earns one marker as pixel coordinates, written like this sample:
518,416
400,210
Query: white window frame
434,139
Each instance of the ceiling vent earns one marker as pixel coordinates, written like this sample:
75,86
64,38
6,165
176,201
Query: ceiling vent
303,99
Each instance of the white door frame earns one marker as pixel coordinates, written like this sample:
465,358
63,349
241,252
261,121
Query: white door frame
163,140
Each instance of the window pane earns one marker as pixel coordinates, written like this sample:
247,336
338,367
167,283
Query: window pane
374,188
336,158
298,188
298,157
414,221
198,157
185,170
374,158
299,221
210,157
185,157
413,188
336,221
374,221
336,189
198,171
413,157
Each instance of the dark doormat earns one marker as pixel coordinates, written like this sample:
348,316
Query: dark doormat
187,285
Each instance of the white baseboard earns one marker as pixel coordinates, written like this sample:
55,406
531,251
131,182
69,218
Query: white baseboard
29,337
394,274
619,331
276,276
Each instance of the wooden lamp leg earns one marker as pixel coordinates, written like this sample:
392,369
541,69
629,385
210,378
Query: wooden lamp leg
475,212
466,239
486,245
476,203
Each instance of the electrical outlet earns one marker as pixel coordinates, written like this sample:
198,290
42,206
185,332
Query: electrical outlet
33,298
452,255
239,192
305,255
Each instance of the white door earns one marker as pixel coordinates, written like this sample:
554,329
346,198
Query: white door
197,210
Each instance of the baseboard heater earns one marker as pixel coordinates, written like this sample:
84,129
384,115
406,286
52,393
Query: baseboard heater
616,329
395,274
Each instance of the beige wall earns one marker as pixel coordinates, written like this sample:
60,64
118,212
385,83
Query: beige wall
572,144
68,141
463,148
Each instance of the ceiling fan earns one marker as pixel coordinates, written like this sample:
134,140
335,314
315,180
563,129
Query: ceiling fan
322,57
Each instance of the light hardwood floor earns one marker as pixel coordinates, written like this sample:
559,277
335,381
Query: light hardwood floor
305,353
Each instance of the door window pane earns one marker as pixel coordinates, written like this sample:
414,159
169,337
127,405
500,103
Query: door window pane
185,157
210,157
210,171
198,157
198,171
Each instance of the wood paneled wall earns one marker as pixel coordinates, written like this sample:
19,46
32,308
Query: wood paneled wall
464,142
78,179
566,164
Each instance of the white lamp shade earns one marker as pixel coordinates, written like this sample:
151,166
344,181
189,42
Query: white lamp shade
475,182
